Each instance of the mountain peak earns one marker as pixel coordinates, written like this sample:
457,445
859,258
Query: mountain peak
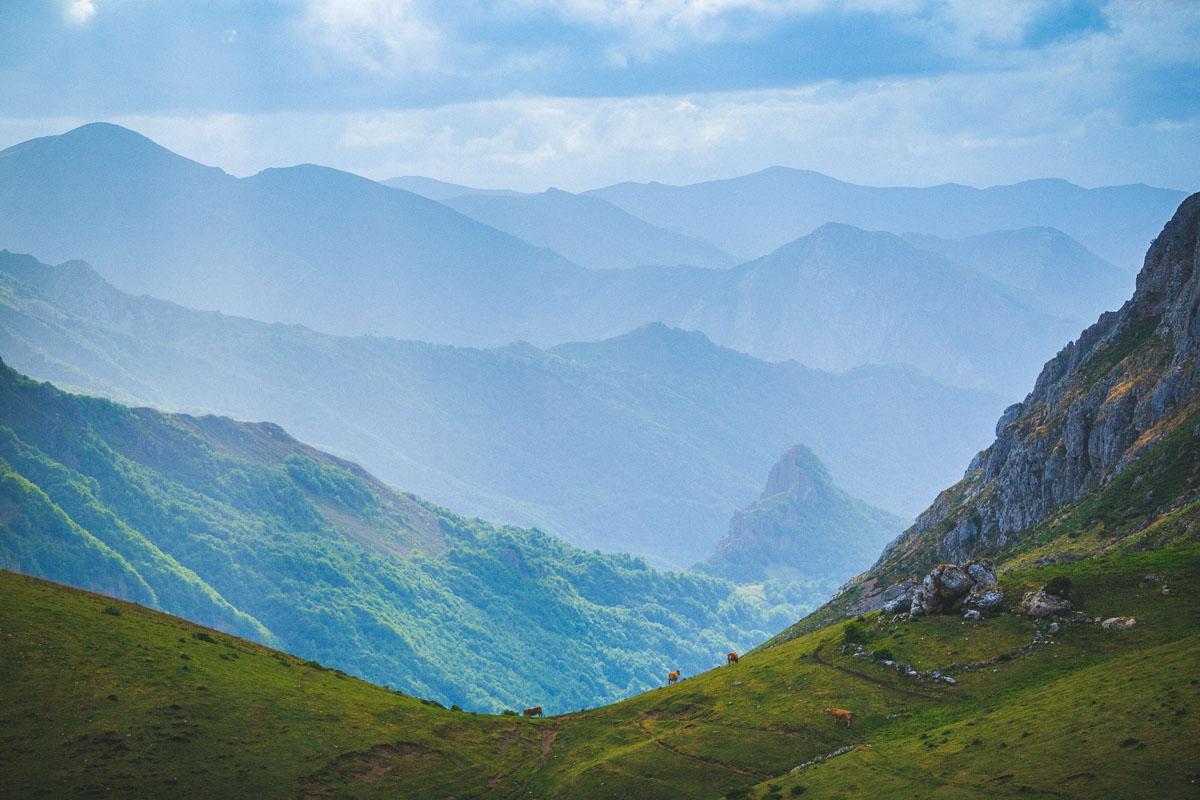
803,528
798,471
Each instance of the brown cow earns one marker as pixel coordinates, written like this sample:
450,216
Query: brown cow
732,658
536,711
672,677
840,715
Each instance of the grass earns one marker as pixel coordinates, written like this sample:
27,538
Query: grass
138,704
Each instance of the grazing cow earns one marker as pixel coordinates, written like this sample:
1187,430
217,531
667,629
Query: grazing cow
840,715
672,677
536,711
731,658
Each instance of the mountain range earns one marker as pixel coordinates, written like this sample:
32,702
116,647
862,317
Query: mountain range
752,215
349,256
646,442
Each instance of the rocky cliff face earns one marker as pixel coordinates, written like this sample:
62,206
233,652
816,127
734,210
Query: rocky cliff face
803,529
1127,382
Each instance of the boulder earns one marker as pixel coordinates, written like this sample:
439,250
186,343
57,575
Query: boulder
972,614
950,587
1118,623
1043,604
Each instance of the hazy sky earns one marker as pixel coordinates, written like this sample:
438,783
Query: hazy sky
582,93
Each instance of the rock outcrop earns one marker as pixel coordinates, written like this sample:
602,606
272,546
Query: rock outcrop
947,589
803,529
1043,604
1127,381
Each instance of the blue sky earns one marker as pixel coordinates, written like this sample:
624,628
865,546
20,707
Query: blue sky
580,93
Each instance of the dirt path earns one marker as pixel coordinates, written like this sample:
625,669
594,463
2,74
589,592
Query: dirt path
819,659
749,773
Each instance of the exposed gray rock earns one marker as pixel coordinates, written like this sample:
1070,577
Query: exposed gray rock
1054,629
950,587
1118,623
1090,414
1043,604
898,596
972,614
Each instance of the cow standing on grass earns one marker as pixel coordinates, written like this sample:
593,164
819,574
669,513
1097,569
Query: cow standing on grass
840,715
536,711
732,658
672,677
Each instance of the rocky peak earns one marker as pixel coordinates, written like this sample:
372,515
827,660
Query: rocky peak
1126,382
797,472
803,530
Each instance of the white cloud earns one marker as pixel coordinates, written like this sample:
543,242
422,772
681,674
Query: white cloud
79,12
379,35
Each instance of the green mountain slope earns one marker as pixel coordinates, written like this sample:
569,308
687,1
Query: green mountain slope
241,527
654,439
104,697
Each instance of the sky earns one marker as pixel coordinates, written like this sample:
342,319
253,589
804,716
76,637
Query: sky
584,93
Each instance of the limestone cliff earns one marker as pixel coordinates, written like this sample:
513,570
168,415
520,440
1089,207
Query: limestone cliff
1127,382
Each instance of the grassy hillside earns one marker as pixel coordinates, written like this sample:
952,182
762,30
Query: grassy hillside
103,697
243,528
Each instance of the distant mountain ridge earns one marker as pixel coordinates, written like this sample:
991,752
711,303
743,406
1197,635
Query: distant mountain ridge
349,256
587,230
751,215
841,296
301,244
1044,267
646,442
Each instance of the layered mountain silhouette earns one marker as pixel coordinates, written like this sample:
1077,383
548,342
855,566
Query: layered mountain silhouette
587,230
842,296
752,215
350,256
304,243
646,442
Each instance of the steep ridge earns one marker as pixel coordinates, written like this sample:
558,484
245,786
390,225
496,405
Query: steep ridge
242,527
1101,454
656,437
803,531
